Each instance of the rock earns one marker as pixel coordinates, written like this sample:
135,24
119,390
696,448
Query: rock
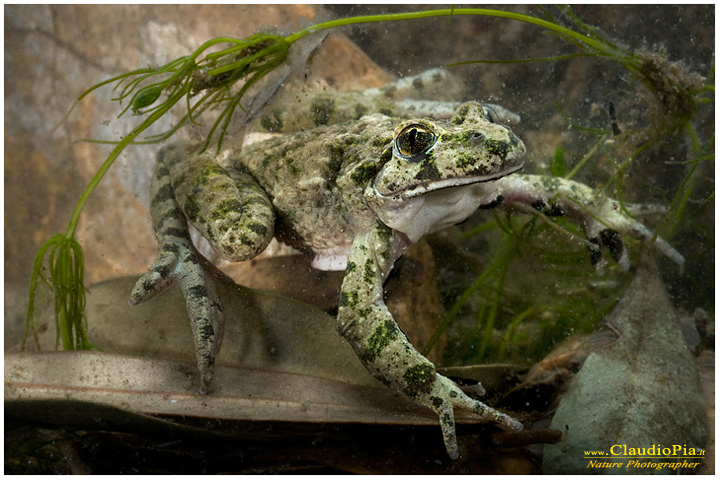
642,391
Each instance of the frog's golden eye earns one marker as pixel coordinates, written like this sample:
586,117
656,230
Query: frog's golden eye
414,142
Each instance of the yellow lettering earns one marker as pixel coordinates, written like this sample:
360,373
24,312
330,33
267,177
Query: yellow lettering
598,464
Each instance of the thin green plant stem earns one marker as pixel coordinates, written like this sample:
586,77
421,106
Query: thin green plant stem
489,321
524,60
108,163
67,275
682,196
586,157
512,327
455,309
598,47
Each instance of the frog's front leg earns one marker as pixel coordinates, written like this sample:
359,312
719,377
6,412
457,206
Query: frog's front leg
230,210
602,217
364,320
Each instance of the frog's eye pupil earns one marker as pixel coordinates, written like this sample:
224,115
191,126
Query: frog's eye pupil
413,142
412,139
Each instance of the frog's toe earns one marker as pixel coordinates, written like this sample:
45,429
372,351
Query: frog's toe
479,408
611,240
487,413
445,412
155,281
206,319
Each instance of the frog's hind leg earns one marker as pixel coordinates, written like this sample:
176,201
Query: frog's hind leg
179,261
230,210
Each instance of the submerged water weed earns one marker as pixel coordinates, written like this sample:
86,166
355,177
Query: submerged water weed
204,81
66,268
538,286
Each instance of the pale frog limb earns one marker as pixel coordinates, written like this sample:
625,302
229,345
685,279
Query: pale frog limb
602,217
364,320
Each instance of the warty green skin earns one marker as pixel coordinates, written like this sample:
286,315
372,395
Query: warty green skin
349,194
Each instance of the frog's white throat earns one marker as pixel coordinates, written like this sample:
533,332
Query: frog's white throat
433,210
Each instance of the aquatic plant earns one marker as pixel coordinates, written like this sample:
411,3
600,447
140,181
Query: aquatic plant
205,79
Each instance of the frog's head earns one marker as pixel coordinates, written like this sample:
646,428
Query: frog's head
442,171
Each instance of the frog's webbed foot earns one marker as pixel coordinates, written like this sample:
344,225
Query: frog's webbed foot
603,218
445,396
179,261
390,358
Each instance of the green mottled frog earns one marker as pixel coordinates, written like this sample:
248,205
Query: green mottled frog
356,194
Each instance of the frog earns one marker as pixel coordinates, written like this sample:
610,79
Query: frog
356,193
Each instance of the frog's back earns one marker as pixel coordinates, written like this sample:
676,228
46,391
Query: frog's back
300,173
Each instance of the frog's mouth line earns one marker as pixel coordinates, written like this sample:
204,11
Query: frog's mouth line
433,186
